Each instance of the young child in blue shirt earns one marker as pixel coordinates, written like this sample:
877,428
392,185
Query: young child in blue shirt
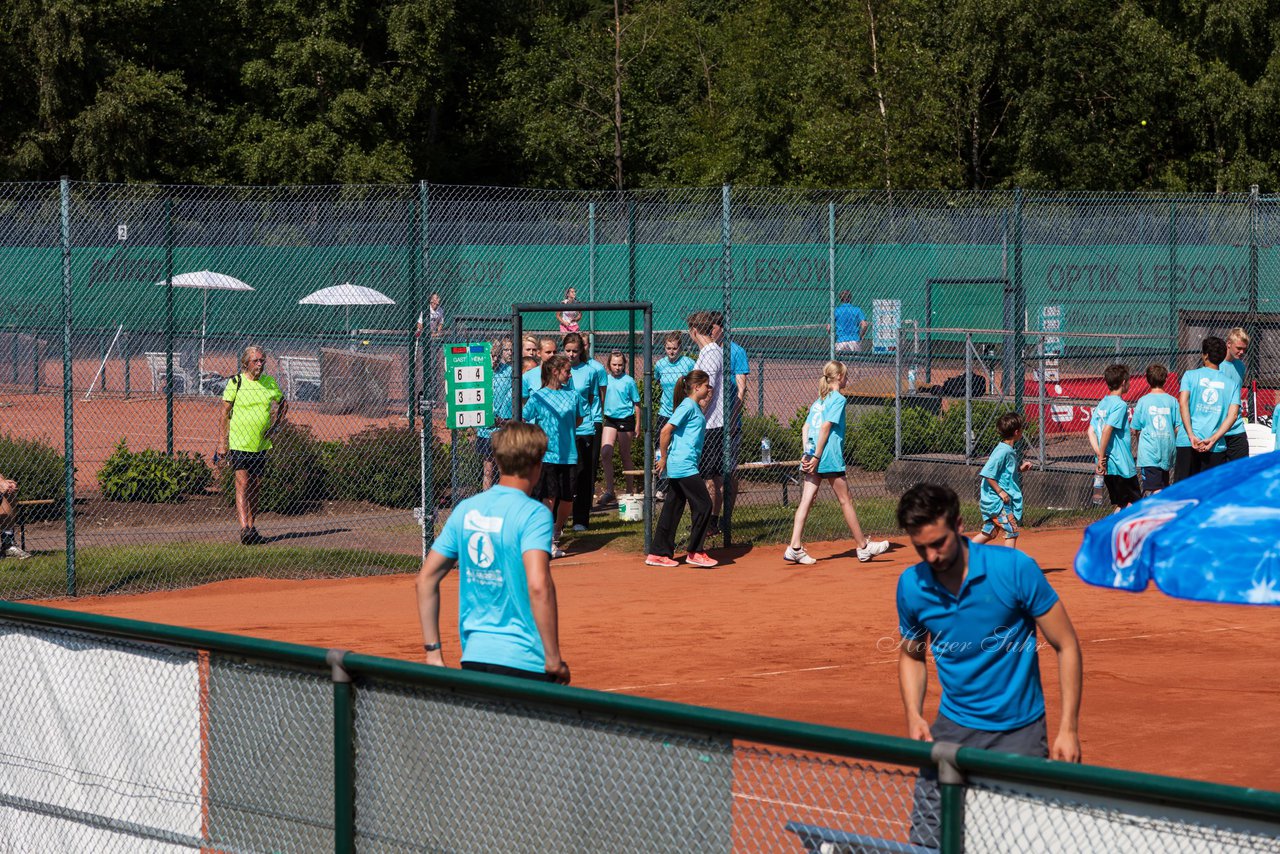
1115,453
1155,421
667,371
1208,403
824,461
501,352
621,418
501,541
558,410
681,445
1000,484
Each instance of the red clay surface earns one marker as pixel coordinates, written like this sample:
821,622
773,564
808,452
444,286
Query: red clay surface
1171,687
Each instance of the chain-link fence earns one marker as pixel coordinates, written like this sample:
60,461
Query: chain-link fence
131,736
118,344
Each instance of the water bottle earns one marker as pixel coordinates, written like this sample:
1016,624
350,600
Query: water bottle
766,450
1099,493
657,454
911,379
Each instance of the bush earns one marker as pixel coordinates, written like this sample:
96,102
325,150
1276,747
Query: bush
870,441
40,472
151,476
295,476
949,438
379,465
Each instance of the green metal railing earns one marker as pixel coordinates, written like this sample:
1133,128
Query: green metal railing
809,759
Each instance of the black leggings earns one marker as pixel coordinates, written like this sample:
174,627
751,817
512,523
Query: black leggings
681,490
585,471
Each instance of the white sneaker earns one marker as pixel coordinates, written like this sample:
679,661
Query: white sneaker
799,556
556,551
13,551
873,548
579,528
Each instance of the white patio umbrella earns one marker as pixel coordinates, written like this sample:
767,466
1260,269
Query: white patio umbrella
206,280
347,295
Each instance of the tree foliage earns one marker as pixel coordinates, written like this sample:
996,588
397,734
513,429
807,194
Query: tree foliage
964,94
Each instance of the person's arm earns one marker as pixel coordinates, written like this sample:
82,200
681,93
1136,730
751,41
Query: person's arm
913,681
664,442
1233,412
999,490
1184,410
824,433
862,329
1103,443
227,406
1056,627
637,431
282,406
546,614
427,584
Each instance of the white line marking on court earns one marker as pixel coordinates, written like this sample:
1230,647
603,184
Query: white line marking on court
811,807
651,685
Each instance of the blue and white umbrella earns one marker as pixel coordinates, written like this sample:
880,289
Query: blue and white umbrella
1214,537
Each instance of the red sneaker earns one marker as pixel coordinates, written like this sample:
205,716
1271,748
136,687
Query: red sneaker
659,560
701,559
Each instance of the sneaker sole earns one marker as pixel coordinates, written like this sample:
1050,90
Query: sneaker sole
660,565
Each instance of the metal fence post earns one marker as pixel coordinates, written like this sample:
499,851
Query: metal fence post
631,283
1251,321
1040,385
897,397
951,790
168,326
427,442
831,281
591,278
728,385
968,398
647,385
68,426
1019,306
760,386
1173,291
344,755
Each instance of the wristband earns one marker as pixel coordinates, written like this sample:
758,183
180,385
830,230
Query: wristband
431,647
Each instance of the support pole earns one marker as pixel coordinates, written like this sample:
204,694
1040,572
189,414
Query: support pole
68,394
729,385
168,326
591,279
647,385
897,396
951,789
968,398
831,281
631,284
344,755
1173,291
1251,318
427,440
1014,359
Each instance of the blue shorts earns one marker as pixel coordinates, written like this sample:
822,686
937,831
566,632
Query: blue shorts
1005,521
1153,478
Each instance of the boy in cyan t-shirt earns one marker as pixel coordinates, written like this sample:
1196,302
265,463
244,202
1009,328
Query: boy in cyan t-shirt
1115,454
1000,484
1208,403
1155,421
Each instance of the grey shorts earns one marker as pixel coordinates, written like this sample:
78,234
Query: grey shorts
926,811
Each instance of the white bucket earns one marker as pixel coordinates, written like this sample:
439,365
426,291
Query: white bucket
631,506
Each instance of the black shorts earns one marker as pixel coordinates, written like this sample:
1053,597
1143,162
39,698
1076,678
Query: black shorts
1237,447
622,425
1122,491
1153,478
1188,462
503,670
711,463
253,462
556,482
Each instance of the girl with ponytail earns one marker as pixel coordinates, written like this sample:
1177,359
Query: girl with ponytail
679,447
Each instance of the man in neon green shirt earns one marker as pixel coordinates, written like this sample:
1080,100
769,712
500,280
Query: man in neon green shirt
246,411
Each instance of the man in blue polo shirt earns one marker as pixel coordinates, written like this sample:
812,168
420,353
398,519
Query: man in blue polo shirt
501,541
851,325
977,608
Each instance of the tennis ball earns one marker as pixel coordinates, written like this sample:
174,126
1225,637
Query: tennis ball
365,342
1144,122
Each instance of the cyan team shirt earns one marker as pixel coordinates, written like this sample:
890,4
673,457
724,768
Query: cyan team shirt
555,411
488,535
1002,467
1155,420
1113,411
983,638
668,373
831,410
812,424
621,397
849,322
1209,394
685,447
1237,366
739,365
530,381
588,378
501,399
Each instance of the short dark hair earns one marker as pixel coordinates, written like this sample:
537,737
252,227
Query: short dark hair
1215,348
1115,375
926,503
1157,374
1008,424
846,296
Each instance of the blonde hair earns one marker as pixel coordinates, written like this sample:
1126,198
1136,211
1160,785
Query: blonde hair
244,355
832,372
518,447
1238,334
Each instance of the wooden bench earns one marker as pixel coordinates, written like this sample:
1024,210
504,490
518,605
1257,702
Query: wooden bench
789,471
22,517
825,840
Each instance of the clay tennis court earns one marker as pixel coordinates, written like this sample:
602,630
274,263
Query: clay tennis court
1171,687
